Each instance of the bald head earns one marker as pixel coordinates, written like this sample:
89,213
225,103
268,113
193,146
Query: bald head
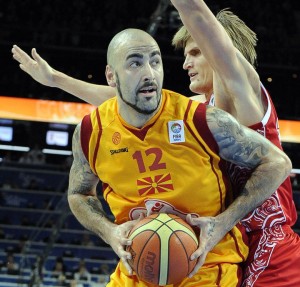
125,40
134,68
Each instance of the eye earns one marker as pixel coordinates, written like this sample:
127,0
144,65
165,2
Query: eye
196,52
155,62
135,64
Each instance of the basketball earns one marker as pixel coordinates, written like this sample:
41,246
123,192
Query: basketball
161,248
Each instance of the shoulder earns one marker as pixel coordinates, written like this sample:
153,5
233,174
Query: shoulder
168,93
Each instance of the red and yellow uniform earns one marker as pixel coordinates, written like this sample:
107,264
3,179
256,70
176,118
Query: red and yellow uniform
171,162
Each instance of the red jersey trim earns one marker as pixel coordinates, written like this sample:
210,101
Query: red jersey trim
141,134
200,124
236,242
85,135
98,140
203,129
187,110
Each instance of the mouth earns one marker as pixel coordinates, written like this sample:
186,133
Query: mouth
192,75
148,91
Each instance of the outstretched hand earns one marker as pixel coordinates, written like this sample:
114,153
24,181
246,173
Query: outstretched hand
211,232
36,66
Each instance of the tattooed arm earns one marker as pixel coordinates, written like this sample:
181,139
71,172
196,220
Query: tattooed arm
244,147
87,208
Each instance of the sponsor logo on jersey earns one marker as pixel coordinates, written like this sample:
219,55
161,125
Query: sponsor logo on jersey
114,151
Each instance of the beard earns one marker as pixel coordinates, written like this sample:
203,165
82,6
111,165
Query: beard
135,105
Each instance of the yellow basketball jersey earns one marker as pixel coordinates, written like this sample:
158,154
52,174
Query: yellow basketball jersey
171,164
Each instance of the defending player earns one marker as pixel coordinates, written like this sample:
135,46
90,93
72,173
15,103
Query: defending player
218,70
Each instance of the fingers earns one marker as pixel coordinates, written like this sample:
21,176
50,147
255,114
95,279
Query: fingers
21,56
16,54
198,265
36,56
127,266
125,241
190,220
202,240
125,255
200,250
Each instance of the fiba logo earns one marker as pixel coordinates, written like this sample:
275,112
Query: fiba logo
176,131
176,128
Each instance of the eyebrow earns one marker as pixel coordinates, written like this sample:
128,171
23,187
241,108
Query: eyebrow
138,55
195,49
154,53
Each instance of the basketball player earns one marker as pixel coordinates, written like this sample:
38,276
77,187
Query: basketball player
154,149
218,70
250,104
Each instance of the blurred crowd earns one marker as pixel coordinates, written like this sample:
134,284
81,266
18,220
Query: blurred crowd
86,23
73,36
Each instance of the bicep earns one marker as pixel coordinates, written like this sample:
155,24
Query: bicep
237,143
82,180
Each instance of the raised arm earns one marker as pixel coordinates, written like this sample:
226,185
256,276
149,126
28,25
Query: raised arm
43,73
87,208
244,147
236,84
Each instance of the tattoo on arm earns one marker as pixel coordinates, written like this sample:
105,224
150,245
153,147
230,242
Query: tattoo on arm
96,207
82,195
82,180
247,148
236,143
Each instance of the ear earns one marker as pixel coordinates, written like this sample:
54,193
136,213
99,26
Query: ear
110,76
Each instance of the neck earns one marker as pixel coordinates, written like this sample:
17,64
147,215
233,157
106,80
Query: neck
133,117
208,95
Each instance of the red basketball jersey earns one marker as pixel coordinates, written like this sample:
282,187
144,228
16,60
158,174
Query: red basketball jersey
280,207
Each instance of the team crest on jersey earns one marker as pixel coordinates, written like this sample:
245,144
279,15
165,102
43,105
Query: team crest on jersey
153,185
116,138
176,131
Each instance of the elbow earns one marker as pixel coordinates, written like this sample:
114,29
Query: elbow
72,201
286,165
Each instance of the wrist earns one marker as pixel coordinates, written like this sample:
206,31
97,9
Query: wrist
58,79
104,231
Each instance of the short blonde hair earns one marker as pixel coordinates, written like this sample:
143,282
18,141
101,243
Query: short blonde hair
243,38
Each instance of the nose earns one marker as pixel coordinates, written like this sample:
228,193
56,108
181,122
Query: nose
148,73
187,64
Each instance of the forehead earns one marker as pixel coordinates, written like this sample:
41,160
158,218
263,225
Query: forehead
140,50
190,45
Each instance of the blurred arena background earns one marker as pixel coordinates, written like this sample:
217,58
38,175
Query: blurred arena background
41,244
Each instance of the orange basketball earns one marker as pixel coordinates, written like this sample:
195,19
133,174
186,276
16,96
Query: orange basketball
161,248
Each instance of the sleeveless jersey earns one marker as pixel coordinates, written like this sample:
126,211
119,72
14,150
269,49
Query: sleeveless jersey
171,165
280,207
